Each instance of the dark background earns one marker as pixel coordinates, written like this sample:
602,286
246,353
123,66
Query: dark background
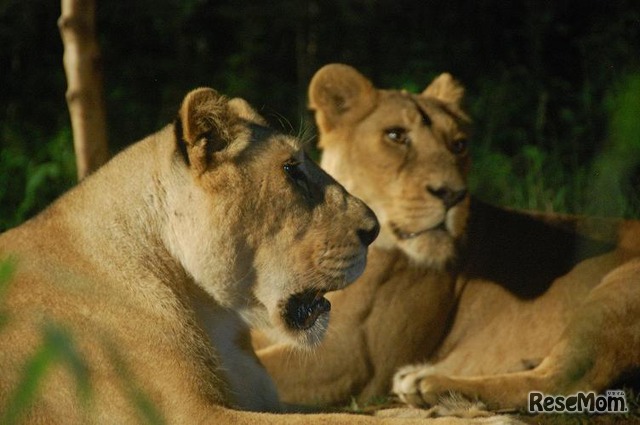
553,86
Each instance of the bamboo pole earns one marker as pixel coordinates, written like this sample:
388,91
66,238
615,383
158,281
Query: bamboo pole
85,99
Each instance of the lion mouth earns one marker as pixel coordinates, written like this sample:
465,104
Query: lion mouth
303,309
403,235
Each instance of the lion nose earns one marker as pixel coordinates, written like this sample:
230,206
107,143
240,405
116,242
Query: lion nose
367,236
449,197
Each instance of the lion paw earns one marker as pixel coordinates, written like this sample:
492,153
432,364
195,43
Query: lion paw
411,384
420,386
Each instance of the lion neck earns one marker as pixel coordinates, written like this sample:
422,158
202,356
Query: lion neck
126,220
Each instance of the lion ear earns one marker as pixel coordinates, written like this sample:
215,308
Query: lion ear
206,124
242,108
340,94
445,88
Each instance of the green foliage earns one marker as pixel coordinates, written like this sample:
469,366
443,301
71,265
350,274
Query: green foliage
615,187
58,348
542,82
6,272
31,180
539,179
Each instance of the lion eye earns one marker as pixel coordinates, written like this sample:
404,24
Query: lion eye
459,146
398,135
293,170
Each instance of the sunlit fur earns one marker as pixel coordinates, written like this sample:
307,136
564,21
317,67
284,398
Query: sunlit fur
152,266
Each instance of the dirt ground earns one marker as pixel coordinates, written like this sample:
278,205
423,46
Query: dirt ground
632,417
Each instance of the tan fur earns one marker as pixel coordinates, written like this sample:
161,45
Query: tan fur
154,266
498,302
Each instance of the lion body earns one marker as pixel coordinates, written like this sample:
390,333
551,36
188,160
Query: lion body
134,291
496,302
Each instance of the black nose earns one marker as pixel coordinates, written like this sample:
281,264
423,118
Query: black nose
367,236
449,197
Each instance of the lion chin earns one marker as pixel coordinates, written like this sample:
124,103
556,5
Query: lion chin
433,246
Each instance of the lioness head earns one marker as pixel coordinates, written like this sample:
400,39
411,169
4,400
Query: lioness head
404,154
256,223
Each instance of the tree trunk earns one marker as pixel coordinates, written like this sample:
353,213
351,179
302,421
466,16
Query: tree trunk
85,99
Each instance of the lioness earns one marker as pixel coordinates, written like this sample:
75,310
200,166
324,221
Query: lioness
498,302
154,265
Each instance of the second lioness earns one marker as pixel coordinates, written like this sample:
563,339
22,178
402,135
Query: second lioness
477,291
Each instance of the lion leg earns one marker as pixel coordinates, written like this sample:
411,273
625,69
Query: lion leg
600,343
